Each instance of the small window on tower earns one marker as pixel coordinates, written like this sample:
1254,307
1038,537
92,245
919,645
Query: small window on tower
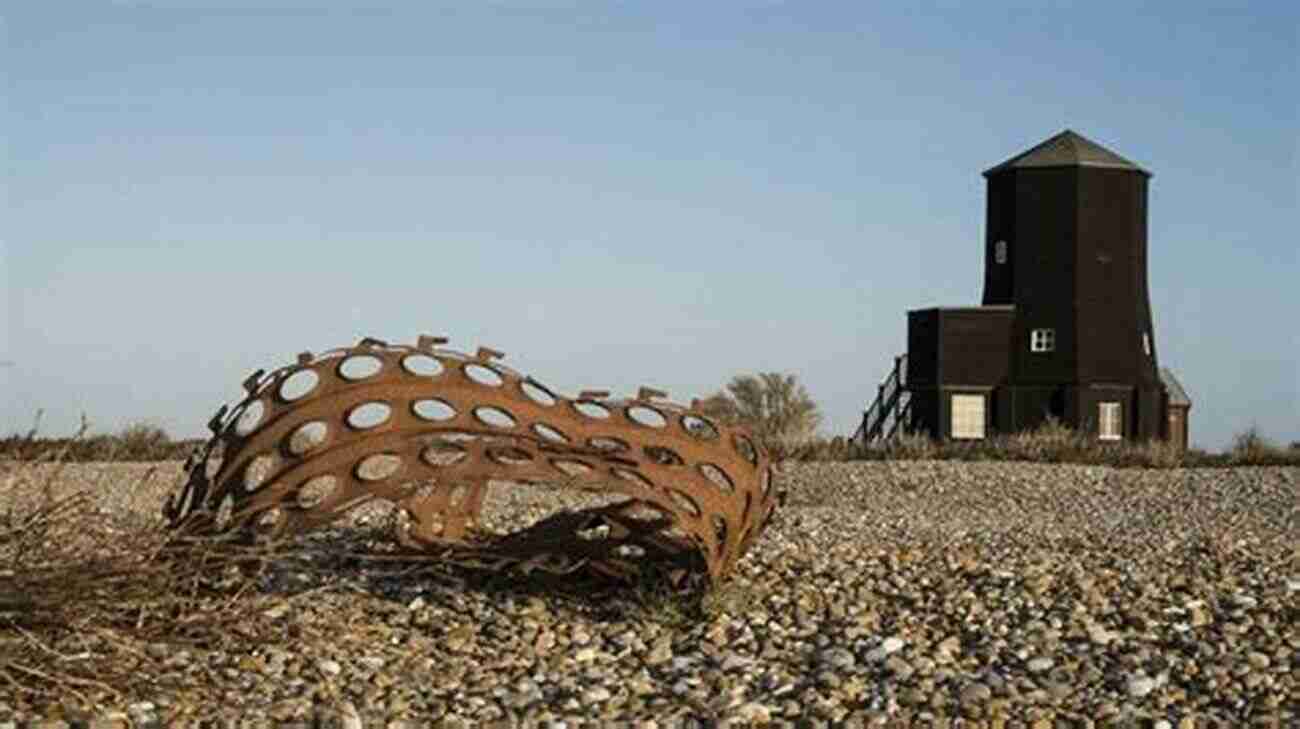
1000,251
1146,343
1042,340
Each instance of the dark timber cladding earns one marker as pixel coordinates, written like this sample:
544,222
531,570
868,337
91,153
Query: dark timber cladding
1065,329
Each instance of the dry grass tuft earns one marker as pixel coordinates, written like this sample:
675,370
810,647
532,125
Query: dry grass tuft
87,598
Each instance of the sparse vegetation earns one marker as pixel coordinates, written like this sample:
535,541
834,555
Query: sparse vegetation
83,593
774,406
140,441
1055,442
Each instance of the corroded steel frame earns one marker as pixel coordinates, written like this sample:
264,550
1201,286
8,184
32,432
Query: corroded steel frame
427,428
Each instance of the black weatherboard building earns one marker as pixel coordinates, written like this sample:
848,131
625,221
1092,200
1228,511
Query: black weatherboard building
1065,326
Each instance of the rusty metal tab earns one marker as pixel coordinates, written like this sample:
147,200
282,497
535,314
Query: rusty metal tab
650,393
430,430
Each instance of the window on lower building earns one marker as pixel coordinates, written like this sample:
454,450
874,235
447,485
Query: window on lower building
1042,340
968,416
1000,252
1110,421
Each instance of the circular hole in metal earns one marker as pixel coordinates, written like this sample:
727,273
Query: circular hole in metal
315,491
644,512
663,456
422,365
456,437
433,410
299,385
630,551
378,467
679,536
537,392
720,531
717,476
509,456
494,416
250,418
443,454
369,415
360,366
685,502
699,427
604,443
594,530
570,467
549,433
483,375
628,474
591,409
746,448
308,436
257,471
647,416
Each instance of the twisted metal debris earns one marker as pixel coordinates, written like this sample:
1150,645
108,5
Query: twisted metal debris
428,429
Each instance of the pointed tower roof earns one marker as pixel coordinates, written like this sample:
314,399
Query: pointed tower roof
1067,149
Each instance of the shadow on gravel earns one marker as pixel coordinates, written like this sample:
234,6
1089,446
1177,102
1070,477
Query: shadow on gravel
365,561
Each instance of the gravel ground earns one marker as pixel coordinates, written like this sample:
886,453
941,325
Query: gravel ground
928,593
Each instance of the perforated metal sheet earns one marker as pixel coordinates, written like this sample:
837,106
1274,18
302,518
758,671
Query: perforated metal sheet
429,429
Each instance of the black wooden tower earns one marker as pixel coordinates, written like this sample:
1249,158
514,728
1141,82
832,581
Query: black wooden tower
1065,327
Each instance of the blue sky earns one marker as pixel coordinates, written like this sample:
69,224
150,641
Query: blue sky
614,194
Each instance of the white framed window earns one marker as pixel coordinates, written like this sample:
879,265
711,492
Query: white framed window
967,416
1000,252
1146,343
1042,340
1109,421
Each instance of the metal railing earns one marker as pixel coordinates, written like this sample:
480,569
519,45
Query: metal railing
886,416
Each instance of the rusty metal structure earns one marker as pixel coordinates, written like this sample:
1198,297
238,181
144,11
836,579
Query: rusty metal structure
429,429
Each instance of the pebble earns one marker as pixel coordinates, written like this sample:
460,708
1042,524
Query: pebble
1038,665
1141,685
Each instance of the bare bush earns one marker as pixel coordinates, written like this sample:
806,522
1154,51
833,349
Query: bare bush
83,592
774,406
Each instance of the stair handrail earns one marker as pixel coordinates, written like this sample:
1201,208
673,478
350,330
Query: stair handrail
887,395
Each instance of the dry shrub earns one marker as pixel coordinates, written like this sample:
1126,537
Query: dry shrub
912,447
85,594
834,449
1250,446
773,406
1051,442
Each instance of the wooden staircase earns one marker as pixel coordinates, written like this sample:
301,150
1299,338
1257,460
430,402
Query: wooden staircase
888,414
